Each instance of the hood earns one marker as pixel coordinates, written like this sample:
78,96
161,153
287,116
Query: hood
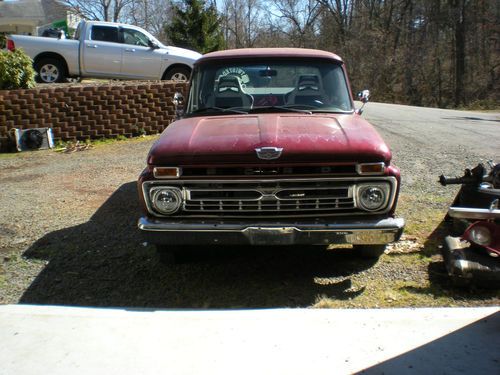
186,53
304,138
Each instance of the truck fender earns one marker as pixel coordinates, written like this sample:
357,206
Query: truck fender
51,55
176,70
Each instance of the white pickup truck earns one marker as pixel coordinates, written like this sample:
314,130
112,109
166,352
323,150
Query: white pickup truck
105,50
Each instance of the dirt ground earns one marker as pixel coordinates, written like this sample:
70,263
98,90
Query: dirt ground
68,237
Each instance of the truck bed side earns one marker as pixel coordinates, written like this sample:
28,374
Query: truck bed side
37,46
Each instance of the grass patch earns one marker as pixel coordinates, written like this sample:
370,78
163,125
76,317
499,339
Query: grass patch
67,146
394,293
62,145
423,214
2,278
8,155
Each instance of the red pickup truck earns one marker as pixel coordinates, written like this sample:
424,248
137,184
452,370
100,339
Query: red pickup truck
270,151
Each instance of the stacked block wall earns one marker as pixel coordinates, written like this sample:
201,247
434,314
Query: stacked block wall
90,112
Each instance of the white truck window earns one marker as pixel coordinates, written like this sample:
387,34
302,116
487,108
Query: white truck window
134,37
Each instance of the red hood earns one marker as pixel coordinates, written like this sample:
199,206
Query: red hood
304,138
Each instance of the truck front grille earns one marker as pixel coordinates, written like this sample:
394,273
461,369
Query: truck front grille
270,199
267,198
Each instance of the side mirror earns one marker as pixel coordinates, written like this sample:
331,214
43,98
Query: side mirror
363,97
178,102
153,45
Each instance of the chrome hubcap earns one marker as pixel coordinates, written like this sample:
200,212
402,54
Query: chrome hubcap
49,73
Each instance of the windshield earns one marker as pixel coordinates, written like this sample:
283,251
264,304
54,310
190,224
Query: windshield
280,86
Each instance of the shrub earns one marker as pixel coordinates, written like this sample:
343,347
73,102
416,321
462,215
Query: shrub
3,41
16,70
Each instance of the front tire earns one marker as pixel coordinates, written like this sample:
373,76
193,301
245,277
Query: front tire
178,74
50,71
369,251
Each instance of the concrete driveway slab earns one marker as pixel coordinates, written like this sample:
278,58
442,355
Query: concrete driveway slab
69,340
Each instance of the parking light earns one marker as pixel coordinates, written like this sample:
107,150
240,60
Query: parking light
370,168
167,172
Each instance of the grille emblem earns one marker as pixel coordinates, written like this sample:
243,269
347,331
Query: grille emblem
268,153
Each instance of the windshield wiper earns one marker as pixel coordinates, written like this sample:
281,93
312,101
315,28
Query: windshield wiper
219,109
288,108
310,108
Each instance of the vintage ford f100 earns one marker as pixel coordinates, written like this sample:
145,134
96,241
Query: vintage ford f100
270,151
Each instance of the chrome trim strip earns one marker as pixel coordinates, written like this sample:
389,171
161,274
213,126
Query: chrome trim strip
275,180
473,213
489,190
195,190
263,208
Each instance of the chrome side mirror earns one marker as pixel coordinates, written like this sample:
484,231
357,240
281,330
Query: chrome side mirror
178,102
363,97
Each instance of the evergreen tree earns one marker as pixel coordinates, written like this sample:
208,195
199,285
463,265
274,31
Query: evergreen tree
195,26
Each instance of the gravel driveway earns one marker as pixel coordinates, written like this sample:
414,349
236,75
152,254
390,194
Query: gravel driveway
68,231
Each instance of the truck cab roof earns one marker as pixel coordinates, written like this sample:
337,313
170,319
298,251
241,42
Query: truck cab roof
266,53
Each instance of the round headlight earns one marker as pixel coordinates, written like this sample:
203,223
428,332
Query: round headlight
480,235
166,200
371,198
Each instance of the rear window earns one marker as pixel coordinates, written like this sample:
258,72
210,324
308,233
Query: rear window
78,31
105,33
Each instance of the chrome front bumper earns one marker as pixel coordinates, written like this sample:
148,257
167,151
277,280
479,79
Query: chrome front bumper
474,213
356,232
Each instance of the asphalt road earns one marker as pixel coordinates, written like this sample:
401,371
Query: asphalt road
443,128
429,141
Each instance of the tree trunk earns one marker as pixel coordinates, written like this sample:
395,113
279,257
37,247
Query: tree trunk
459,31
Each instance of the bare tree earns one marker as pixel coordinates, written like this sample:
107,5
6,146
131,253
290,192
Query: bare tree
425,52
242,22
151,15
102,10
341,12
300,18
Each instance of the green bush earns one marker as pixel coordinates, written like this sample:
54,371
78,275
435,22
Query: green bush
3,41
16,70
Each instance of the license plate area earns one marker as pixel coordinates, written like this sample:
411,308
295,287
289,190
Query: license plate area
270,236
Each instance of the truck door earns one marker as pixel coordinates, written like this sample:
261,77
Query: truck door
102,53
139,59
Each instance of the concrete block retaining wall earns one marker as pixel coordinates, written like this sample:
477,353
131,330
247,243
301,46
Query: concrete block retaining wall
89,112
